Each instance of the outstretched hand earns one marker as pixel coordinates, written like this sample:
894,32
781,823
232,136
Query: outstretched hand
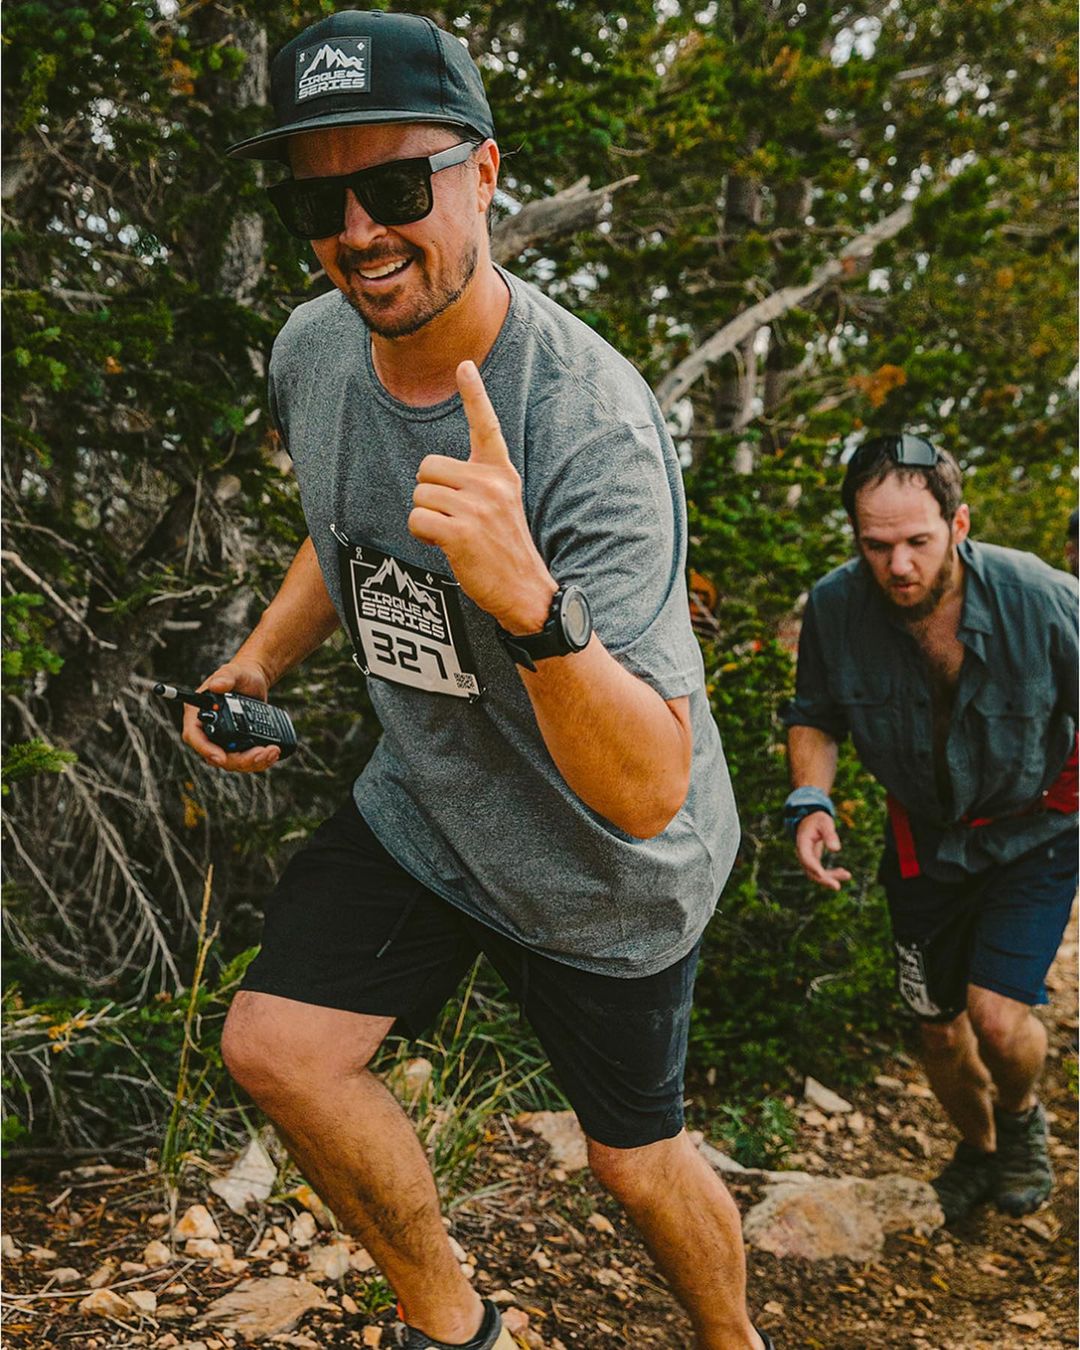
472,509
817,835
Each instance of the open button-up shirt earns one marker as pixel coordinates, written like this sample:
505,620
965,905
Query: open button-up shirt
1014,715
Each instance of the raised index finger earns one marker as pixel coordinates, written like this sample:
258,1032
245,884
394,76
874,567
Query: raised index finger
486,443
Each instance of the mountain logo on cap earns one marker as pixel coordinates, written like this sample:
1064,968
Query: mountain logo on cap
338,67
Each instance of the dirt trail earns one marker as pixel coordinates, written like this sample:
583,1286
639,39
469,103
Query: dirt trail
558,1250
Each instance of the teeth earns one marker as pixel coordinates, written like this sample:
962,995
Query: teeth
374,273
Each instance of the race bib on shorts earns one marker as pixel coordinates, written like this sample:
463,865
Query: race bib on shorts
911,978
405,622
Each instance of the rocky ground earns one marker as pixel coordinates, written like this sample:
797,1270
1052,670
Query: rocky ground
93,1260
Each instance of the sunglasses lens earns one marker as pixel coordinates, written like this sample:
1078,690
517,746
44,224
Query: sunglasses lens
310,209
397,194
915,451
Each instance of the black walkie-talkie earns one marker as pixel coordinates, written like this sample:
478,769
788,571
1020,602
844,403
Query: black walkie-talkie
235,722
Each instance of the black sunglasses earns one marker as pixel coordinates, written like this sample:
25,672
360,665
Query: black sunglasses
395,193
910,451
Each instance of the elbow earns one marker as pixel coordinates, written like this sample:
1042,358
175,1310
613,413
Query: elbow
653,816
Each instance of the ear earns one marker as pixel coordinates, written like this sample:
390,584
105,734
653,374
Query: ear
961,526
487,163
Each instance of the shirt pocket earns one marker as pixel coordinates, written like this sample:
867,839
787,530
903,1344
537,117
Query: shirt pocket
874,716
1014,720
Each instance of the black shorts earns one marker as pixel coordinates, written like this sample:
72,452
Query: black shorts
347,928
999,929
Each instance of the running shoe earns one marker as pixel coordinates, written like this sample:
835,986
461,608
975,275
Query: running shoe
968,1180
1024,1175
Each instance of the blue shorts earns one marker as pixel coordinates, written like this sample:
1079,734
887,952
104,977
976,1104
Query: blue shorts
999,929
346,927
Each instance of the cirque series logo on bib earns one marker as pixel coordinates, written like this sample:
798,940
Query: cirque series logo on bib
405,623
336,67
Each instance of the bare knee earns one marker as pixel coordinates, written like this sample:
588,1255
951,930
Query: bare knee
281,1051
627,1173
998,1023
946,1038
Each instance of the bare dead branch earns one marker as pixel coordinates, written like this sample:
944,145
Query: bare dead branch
675,384
575,208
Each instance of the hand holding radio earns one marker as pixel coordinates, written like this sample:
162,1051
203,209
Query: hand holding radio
244,727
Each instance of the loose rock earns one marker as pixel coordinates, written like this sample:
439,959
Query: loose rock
196,1222
562,1134
106,1303
848,1217
263,1307
249,1181
817,1094
329,1262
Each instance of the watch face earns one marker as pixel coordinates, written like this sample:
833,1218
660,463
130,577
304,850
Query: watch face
575,617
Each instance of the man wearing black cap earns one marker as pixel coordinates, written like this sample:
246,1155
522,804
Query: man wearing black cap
952,665
496,516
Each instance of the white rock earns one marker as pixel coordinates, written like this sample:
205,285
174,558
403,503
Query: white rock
279,1267
196,1222
62,1276
460,1254
8,1250
44,1256
203,1249
303,1229
103,1275
144,1299
361,1262
156,1254
106,1303
250,1179
601,1223
817,1094
328,1262
262,1308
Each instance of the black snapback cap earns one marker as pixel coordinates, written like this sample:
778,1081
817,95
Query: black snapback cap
357,67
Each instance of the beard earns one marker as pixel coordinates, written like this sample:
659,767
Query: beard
433,297
936,592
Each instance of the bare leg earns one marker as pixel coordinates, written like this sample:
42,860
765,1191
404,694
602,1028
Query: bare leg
959,1078
1012,1044
691,1226
306,1067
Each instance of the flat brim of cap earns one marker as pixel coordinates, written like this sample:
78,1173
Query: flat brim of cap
270,144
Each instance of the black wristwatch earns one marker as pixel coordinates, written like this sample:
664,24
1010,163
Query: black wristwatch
568,629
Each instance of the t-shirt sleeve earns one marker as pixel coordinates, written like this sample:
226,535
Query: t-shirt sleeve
812,705
614,523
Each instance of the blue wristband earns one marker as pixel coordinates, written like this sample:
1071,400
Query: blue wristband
803,802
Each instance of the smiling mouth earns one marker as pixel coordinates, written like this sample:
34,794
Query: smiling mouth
383,271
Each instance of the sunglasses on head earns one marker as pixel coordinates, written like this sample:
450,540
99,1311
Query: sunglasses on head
395,193
910,451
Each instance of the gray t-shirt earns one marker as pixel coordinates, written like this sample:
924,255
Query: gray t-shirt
461,789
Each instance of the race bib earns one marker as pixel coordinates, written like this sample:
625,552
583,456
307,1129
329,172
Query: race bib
911,969
405,622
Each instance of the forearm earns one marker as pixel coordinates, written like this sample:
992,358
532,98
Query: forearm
620,747
812,757
299,619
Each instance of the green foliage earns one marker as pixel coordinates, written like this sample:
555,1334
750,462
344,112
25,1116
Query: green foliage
761,1135
24,627
27,758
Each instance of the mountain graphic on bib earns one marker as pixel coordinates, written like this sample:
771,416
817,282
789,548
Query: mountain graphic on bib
333,58
391,579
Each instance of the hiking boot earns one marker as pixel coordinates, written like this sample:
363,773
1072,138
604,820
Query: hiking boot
968,1180
1024,1175
491,1336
